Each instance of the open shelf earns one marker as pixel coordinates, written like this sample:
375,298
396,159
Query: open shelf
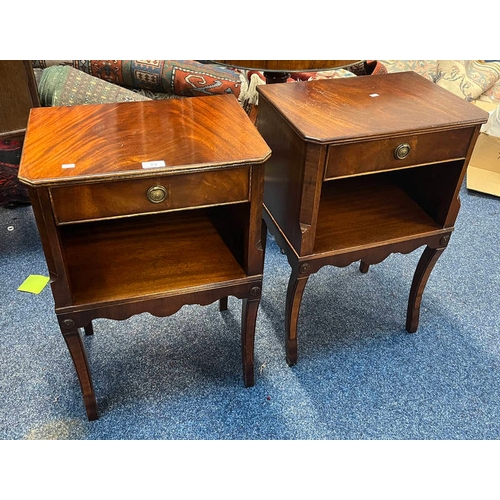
146,255
366,210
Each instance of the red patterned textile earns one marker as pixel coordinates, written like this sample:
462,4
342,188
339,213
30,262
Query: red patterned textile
364,68
183,78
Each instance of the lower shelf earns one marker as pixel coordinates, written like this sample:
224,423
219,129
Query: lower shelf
365,211
146,255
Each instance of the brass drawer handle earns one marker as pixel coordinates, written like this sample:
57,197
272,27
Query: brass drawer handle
402,151
156,194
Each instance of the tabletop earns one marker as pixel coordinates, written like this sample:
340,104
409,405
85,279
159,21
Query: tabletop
90,142
373,106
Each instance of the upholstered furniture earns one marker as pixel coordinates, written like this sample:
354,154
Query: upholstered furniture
467,79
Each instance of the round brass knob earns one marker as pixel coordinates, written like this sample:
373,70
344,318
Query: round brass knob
402,151
156,194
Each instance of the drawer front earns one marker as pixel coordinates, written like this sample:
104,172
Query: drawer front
394,153
155,194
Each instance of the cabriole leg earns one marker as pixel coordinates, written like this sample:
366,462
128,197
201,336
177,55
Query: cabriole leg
250,307
363,267
223,304
295,290
77,351
424,267
89,329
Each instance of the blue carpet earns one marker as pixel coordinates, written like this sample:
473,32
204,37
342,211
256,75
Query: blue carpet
360,375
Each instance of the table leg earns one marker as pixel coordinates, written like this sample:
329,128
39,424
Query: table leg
424,267
248,322
77,351
295,290
223,304
89,329
363,267
276,76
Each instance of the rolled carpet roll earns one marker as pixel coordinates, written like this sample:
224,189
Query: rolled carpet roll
67,86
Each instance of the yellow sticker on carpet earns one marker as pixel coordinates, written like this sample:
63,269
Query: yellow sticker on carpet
34,283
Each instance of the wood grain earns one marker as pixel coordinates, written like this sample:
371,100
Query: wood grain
109,140
377,106
288,66
18,94
143,256
372,156
121,198
335,192
113,250
365,211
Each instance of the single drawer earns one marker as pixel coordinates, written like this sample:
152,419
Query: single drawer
394,153
154,194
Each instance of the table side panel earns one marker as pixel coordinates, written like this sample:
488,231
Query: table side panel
314,165
284,171
450,213
52,246
253,226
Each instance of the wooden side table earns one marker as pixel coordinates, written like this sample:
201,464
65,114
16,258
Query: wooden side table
361,168
278,71
145,207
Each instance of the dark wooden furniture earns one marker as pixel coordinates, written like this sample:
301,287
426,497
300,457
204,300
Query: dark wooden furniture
145,207
361,168
278,71
18,94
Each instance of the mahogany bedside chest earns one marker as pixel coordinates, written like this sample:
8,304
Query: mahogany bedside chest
361,168
145,207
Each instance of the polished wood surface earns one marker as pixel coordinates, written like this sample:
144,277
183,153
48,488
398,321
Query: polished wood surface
120,198
377,106
145,265
288,66
104,140
350,159
366,211
362,168
112,248
18,94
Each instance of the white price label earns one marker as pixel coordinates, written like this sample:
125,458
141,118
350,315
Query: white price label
153,164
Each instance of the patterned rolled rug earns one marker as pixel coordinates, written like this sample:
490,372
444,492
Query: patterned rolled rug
181,78
66,86
161,79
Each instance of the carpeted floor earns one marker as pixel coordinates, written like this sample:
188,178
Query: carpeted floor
360,376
